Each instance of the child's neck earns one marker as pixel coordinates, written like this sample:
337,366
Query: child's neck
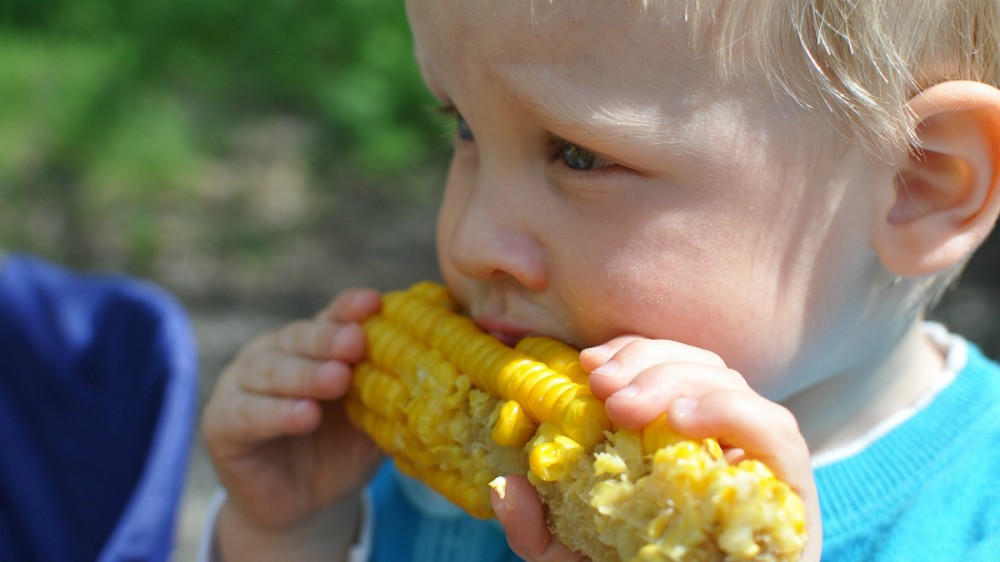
843,408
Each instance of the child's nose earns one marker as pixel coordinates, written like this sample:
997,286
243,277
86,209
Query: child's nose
495,234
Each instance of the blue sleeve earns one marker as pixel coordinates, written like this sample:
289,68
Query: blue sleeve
91,368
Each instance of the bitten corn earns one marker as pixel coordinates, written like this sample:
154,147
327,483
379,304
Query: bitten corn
457,409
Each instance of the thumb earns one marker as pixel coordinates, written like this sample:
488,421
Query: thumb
520,511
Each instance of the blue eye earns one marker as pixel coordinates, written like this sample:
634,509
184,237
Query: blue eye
579,158
464,132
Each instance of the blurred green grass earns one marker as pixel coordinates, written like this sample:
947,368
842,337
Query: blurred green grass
239,151
134,130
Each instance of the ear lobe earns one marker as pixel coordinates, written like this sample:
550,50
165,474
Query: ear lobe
947,193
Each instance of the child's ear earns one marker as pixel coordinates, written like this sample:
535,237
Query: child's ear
947,194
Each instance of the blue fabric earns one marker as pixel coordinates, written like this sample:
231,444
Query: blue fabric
927,491
98,397
403,533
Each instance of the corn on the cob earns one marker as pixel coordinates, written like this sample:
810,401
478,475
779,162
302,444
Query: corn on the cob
456,408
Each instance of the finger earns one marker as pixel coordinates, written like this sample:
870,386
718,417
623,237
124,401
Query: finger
352,305
248,418
292,376
593,357
766,431
650,392
522,515
319,340
636,355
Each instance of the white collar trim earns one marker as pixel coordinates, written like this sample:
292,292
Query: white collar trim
956,354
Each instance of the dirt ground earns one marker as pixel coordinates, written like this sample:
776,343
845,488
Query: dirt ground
390,249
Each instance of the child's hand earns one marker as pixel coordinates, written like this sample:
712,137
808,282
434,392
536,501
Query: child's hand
276,429
522,515
640,379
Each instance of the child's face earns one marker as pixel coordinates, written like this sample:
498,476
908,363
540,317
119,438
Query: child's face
607,183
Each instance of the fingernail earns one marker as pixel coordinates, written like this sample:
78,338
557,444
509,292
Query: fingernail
354,298
608,369
326,370
300,407
683,406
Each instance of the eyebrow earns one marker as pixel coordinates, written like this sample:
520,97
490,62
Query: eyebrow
562,105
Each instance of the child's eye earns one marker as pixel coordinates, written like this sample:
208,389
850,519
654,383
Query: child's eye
464,132
461,127
579,158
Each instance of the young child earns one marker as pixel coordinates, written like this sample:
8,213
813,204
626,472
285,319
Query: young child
739,211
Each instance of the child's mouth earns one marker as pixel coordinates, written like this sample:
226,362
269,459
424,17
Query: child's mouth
506,333
510,340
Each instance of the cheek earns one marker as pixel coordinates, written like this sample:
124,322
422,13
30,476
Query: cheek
670,294
729,307
721,293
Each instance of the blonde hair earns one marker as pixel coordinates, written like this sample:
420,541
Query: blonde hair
859,60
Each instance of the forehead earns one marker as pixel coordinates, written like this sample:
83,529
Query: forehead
521,43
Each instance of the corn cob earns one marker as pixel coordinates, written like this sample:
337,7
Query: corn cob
457,408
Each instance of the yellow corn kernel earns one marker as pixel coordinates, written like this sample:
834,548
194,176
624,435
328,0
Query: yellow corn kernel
557,355
459,409
513,427
552,461
658,435
389,436
383,390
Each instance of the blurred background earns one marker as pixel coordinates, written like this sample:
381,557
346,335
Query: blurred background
251,157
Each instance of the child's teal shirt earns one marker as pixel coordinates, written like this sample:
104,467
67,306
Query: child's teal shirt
928,488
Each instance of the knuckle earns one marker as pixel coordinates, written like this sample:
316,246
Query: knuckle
785,422
668,351
264,378
243,416
288,335
637,352
307,338
714,358
661,377
324,338
306,375
736,377
638,346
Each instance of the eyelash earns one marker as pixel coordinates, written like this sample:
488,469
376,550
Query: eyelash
563,149
558,147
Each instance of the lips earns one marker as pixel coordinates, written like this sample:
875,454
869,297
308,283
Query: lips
506,332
